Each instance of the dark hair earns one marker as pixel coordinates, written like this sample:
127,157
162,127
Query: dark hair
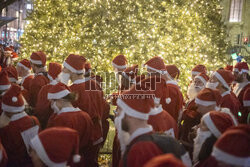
71,97
207,148
38,65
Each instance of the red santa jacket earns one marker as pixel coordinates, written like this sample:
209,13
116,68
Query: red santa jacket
25,82
141,152
76,119
229,101
3,156
90,100
43,110
174,106
163,122
239,91
13,142
35,86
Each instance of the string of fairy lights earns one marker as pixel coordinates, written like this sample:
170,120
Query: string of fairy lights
182,32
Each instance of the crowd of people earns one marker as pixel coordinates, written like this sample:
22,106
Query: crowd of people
60,117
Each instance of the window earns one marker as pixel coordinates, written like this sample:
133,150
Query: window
236,11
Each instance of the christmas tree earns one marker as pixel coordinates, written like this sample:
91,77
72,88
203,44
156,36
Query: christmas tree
182,32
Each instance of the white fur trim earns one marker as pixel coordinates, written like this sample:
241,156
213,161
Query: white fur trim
21,65
130,111
36,144
79,81
195,73
53,82
246,103
156,110
50,77
125,75
173,82
226,93
217,108
211,126
159,71
58,95
202,79
18,116
204,103
118,66
11,79
140,131
221,79
12,109
243,70
98,141
157,100
227,111
76,158
4,87
230,159
169,76
72,69
39,62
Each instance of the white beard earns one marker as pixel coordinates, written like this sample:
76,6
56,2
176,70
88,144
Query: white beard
192,91
198,142
122,135
64,78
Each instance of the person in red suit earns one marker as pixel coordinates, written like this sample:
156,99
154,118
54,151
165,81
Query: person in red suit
221,80
66,115
15,123
4,86
43,110
38,64
58,146
242,80
12,74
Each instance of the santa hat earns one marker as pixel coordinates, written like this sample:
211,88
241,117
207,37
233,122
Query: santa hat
54,70
217,122
229,68
164,160
38,58
136,103
130,73
233,146
156,64
14,55
8,49
58,91
246,98
55,146
207,97
25,64
203,77
172,71
199,69
75,63
225,77
4,81
12,100
12,73
241,67
119,62
87,68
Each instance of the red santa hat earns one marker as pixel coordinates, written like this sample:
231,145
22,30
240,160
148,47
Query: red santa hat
75,63
130,73
14,55
54,70
207,97
4,81
233,146
156,64
38,58
58,91
55,146
25,64
225,77
164,160
218,122
12,73
119,62
229,68
246,98
87,67
12,100
8,49
203,77
241,67
136,103
172,71
199,69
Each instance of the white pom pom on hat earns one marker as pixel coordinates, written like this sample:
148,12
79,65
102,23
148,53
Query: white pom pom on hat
14,99
76,158
168,100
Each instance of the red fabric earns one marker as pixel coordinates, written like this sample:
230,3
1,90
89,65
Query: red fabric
173,71
140,153
120,60
26,63
13,97
4,80
116,151
163,122
4,160
54,70
176,104
13,142
76,61
210,161
243,118
156,63
39,56
228,101
26,82
131,71
43,110
36,85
